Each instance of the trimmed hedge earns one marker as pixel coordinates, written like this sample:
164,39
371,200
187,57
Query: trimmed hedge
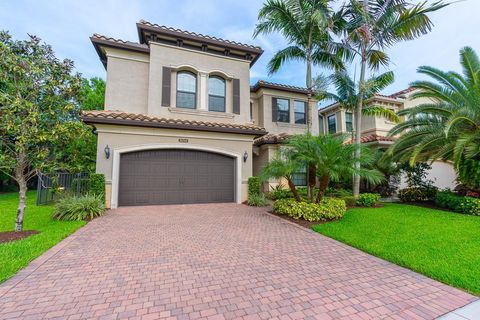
327,209
368,199
417,194
466,205
97,185
254,186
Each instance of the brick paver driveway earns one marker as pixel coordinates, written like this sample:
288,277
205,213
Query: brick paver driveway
215,261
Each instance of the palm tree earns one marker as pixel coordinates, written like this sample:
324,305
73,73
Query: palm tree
283,166
305,24
371,27
447,126
333,159
346,94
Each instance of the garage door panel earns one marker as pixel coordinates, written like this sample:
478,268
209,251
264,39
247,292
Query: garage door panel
175,176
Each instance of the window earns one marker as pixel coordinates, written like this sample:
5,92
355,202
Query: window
300,178
186,90
349,121
300,112
283,110
332,124
216,94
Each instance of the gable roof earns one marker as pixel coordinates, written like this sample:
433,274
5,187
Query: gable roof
100,41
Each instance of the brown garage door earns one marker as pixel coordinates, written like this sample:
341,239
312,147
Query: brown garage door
175,177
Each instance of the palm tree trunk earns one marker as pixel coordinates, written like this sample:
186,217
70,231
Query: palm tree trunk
22,185
358,123
292,187
324,180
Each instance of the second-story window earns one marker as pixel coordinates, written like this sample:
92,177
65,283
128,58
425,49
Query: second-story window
349,121
186,90
332,124
216,94
283,110
300,112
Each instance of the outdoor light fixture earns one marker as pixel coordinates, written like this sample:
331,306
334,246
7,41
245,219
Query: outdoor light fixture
245,156
107,151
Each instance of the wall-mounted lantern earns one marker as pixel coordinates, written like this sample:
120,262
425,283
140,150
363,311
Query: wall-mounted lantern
245,156
107,151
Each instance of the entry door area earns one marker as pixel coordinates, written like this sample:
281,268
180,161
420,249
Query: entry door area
155,177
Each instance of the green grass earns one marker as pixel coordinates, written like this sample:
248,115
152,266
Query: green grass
439,244
16,255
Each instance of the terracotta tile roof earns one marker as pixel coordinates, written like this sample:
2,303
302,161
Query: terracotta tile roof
271,139
198,35
134,119
374,138
402,92
278,86
99,40
118,41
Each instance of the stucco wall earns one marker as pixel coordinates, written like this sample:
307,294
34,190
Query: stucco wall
121,137
442,174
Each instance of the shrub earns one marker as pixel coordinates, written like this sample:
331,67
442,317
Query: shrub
97,185
338,192
417,194
84,207
279,193
368,199
257,200
254,186
350,201
469,205
447,199
327,209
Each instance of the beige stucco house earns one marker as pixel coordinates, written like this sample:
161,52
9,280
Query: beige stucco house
181,122
336,120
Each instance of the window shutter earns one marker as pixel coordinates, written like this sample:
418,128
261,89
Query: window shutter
236,96
307,112
274,109
166,86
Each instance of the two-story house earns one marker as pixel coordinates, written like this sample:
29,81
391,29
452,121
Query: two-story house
181,123
336,120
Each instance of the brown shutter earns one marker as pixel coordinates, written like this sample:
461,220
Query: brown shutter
166,86
274,109
236,96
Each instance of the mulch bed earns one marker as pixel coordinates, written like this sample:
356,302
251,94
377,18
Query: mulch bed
12,235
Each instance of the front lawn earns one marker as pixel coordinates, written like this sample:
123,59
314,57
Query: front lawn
441,245
17,254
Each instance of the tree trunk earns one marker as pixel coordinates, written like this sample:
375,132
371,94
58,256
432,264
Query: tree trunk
324,180
22,185
292,187
358,124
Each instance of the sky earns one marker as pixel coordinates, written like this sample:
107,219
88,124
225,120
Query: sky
68,24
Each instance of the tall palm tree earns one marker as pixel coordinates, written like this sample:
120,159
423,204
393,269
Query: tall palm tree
333,159
305,24
447,127
346,93
371,27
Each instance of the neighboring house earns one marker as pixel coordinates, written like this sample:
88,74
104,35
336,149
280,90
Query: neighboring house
335,120
181,122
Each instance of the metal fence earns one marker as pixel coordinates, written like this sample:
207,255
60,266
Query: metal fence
52,186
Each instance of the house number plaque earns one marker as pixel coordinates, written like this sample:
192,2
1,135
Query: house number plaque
183,140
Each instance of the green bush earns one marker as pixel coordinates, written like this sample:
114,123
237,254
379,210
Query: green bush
85,207
368,199
338,192
327,209
469,205
350,201
279,193
97,185
417,194
254,186
257,200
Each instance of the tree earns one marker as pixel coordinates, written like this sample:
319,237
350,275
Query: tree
371,27
447,126
346,94
332,158
38,103
93,94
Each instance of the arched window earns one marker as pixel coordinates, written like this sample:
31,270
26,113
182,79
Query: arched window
186,90
216,94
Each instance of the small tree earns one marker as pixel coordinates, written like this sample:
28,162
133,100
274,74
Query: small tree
38,106
93,94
